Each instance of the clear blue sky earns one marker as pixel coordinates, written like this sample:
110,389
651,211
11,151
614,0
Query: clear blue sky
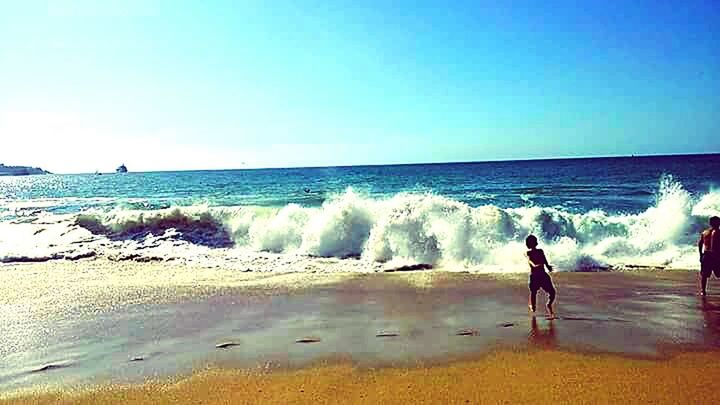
162,85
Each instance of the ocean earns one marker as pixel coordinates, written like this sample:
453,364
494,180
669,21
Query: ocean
589,214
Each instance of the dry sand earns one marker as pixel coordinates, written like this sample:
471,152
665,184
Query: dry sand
499,377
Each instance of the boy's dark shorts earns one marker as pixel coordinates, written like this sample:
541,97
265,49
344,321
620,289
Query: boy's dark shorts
541,280
709,264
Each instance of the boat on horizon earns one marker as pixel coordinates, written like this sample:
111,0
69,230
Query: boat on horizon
122,169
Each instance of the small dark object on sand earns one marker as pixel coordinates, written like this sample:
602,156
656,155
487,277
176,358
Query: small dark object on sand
410,267
387,334
467,332
225,345
308,339
51,366
506,324
137,358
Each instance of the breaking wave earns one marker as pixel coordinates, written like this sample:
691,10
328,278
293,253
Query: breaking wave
432,229
193,224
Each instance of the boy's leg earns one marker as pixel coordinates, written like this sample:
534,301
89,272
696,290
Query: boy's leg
551,296
533,293
705,272
550,289
533,299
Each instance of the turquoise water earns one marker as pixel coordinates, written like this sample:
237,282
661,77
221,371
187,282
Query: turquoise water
611,184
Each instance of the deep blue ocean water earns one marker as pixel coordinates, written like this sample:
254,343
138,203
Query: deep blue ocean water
616,185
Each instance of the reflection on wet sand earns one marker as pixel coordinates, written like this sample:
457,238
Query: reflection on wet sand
710,308
542,336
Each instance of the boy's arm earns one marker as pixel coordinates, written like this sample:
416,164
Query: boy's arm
700,246
545,261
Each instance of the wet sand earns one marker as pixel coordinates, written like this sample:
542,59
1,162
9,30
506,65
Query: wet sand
92,324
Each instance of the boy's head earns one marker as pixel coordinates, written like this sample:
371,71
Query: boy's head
531,242
715,222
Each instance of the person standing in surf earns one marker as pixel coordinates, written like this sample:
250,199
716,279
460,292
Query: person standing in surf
709,249
539,279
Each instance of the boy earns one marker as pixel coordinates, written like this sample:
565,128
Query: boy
538,277
709,248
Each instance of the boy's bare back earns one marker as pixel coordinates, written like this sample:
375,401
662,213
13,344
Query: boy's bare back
537,260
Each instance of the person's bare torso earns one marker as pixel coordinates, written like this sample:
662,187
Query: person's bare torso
711,241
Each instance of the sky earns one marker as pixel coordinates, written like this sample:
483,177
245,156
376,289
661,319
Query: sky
175,85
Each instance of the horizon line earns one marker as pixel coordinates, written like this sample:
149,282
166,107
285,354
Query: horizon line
459,162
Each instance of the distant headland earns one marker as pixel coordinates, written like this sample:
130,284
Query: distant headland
20,170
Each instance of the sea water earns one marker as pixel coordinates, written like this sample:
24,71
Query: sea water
589,214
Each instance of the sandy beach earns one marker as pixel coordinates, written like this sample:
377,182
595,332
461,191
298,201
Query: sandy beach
184,332
500,377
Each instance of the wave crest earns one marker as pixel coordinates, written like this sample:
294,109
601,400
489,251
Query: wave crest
432,229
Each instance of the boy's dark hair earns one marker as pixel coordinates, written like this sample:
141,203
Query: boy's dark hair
715,221
531,241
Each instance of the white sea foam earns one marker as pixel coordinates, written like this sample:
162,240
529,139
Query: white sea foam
406,228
